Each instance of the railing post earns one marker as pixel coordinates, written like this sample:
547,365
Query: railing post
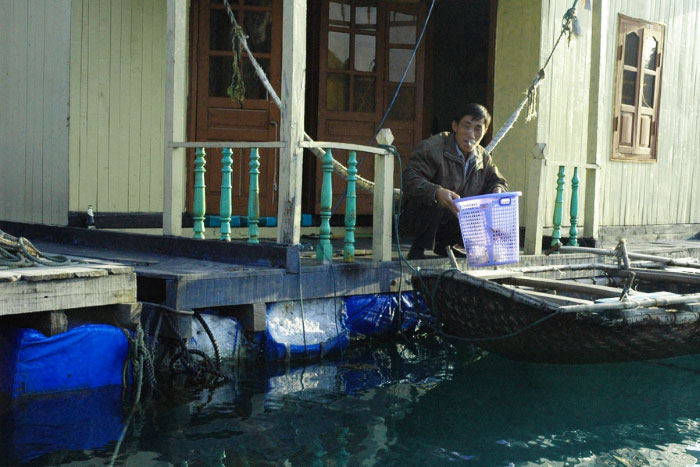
253,197
535,203
174,116
325,251
382,206
350,209
225,202
573,232
558,206
199,207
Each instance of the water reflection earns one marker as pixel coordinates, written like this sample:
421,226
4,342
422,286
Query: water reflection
419,403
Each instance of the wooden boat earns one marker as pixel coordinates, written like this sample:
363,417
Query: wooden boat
521,316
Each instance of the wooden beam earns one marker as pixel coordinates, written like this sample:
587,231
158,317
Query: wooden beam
534,209
556,299
292,124
49,295
567,286
252,316
175,112
383,202
49,323
123,315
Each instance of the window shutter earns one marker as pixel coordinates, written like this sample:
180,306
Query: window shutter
637,86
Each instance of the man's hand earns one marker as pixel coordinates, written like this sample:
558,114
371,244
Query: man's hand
444,197
498,189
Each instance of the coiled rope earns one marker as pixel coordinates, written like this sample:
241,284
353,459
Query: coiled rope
19,252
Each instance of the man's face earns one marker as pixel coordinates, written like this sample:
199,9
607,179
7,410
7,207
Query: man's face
468,132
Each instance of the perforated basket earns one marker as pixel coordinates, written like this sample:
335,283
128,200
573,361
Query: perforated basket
489,225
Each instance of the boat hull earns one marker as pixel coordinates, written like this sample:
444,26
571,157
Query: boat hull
500,320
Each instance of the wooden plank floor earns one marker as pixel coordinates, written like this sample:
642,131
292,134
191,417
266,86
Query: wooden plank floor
85,284
193,274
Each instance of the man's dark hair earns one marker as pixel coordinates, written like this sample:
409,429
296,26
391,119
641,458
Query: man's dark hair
476,111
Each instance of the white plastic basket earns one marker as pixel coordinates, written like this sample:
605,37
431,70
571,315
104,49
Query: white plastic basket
490,229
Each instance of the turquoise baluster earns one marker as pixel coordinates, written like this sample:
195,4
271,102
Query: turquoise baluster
350,209
254,197
325,250
573,231
225,203
199,206
558,206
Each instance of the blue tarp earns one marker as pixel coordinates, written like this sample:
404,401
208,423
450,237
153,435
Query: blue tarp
371,315
75,420
84,357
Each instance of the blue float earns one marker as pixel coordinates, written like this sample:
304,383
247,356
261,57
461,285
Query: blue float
85,357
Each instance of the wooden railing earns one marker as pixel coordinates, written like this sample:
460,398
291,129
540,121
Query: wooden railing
537,192
559,207
382,203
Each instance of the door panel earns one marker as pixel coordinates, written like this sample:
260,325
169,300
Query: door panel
216,116
364,49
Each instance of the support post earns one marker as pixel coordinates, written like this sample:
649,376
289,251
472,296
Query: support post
591,210
225,202
199,204
534,218
292,124
383,202
174,112
253,197
573,232
558,206
350,209
324,252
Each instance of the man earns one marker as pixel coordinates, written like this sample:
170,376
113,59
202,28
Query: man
445,167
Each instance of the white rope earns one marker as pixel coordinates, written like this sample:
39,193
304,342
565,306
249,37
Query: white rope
529,99
570,26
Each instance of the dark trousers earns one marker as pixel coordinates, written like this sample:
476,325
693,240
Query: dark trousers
430,227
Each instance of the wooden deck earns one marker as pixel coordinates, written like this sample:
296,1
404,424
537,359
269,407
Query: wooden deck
188,274
41,288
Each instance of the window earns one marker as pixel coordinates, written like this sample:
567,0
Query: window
637,84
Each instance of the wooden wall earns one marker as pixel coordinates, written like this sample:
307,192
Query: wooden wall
575,107
667,191
117,85
34,54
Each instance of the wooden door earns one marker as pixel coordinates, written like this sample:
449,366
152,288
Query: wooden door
215,116
364,49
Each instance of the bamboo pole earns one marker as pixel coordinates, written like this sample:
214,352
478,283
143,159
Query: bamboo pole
632,304
639,256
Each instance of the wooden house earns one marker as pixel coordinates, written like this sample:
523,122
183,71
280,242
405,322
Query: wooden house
99,97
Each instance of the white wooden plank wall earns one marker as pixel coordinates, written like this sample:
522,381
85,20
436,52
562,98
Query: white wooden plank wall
34,90
563,105
668,191
517,62
117,101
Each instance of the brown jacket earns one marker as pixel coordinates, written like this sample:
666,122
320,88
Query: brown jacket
435,163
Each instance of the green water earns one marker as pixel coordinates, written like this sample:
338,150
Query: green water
423,403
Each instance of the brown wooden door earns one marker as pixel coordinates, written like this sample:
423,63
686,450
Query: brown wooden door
364,49
215,116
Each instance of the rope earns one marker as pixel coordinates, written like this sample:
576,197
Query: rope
403,76
141,361
238,31
19,252
301,307
569,25
236,89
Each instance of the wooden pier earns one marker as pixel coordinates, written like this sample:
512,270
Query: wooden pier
240,278
40,296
